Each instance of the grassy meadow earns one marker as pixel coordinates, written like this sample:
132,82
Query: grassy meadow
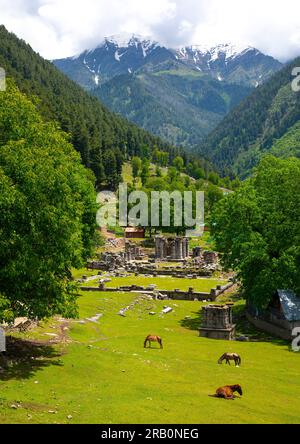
96,370
166,283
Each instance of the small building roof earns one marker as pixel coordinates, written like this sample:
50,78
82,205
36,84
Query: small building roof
290,304
134,230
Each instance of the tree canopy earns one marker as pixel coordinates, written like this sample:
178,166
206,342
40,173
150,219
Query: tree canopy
48,213
257,229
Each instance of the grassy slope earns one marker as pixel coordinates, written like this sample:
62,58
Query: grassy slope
180,105
117,381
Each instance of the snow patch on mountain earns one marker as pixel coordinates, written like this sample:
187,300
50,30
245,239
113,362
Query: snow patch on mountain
126,40
228,51
127,53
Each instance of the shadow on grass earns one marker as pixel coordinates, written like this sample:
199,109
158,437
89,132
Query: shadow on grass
243,327
192,323
24,358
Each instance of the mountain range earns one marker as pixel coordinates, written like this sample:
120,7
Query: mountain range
102,137
178,94
266,121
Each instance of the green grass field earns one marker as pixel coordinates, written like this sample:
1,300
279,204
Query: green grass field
100,373
166,283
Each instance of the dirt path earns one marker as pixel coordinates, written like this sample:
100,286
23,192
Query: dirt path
113,243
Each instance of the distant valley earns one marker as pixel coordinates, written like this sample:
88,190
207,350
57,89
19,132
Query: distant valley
178,94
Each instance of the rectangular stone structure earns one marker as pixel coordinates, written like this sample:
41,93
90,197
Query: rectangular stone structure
217,322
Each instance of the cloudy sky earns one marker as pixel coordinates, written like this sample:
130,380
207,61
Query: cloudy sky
60,28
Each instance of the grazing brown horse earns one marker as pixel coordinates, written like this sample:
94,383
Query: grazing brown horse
152,338
227,392
230,357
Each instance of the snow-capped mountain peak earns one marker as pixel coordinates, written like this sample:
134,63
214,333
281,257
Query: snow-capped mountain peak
125,53
125,40
228,49
220,61
225,51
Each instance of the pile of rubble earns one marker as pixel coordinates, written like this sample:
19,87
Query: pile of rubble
207,260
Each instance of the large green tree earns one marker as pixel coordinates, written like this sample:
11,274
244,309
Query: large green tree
48,209
257,229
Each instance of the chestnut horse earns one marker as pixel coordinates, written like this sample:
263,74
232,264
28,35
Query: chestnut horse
227,392
230,357
152,338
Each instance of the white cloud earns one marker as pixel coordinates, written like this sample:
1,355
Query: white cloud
60,28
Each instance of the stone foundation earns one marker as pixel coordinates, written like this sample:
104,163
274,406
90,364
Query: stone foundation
224,334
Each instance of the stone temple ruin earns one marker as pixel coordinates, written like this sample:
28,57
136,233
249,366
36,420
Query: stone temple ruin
217,322
111,261
205,259
133,252
135,259
176,249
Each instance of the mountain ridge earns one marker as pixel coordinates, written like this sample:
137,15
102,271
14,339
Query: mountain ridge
94,130
265,122
184,93
219,60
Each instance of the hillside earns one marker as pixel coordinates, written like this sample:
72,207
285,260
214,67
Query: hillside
94,130
178,94
266,121
178,104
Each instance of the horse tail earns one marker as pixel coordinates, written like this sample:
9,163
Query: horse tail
240,360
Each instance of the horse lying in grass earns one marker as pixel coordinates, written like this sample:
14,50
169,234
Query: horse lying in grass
230,357
151,339
227,392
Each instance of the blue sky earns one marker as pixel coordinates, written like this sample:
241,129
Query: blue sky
60,28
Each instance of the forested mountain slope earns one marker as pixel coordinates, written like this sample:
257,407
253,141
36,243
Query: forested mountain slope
101,137
266,121
176,103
